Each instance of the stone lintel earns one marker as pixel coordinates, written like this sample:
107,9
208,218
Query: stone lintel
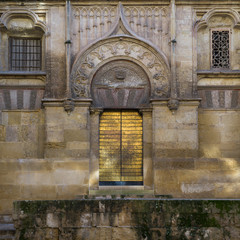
219,73
22,73
20,110
182,102
219,110
145,110
60,102
22,80
219,87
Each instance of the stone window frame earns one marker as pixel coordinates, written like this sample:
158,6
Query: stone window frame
39,30
33,35
230,46
147,154
10,48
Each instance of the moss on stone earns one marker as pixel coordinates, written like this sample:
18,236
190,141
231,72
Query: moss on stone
178,218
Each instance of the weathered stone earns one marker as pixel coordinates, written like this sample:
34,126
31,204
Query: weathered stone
120,61
150,219
14,118
2,133
71,135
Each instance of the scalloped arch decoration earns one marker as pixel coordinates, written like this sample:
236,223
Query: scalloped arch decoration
13,13
120,47
219,11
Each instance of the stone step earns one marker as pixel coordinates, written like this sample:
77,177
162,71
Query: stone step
6,218
7,235
7,229
102,194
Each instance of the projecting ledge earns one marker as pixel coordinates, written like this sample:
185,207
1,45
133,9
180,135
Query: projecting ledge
182,102
122,191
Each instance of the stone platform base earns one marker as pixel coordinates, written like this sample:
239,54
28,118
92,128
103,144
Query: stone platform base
123,217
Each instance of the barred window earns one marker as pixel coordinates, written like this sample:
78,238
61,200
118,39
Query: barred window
25,54
220,49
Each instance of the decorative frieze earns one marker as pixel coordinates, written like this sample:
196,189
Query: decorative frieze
94,22
149,22
12,99
220,99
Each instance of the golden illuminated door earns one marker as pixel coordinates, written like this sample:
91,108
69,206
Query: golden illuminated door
120,153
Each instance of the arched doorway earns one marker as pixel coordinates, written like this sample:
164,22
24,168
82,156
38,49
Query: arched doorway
120,88
142,66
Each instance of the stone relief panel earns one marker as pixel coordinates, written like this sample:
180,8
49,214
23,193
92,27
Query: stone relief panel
94,22
151,23
120,84
91,23
119,48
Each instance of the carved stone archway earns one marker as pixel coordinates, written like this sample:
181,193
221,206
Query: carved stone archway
120,84
118,48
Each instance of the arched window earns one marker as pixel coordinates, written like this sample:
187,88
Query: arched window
22,38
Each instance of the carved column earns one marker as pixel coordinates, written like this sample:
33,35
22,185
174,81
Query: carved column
94,148
68,104
147,148
173,102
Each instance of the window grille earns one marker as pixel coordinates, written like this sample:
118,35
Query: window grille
220,49
25,54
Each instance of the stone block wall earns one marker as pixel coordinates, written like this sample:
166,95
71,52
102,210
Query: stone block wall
197,177
67,136
41,179
21,134
190,153
219,133
175,134
124,217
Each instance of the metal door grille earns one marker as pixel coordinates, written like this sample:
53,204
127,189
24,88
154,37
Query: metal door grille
25,54
120,148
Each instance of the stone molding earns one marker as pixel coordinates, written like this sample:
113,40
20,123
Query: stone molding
20,12
203,22
60,102
118,47
182,102
149,23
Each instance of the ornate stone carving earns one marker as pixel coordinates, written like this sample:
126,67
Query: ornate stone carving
93,22
118,48
149,22
96,22
8,16
120,84
68,105
173,105
215,17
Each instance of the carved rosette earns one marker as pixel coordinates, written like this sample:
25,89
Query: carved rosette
117,48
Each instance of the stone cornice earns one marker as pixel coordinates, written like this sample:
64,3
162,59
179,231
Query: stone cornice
214,73
51,102
115,2
13,73
182,101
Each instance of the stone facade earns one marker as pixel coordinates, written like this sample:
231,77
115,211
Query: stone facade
49,119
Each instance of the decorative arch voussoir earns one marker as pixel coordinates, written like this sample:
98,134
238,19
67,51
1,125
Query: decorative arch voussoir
120,47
